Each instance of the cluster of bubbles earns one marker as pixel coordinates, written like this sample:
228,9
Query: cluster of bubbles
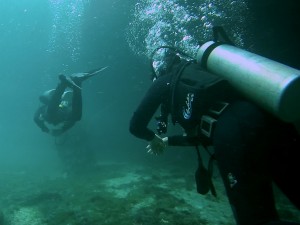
184,24
65,32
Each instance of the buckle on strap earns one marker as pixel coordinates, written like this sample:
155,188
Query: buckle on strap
218,108
208,122
207,125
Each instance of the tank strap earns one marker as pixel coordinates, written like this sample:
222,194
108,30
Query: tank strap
203,176
206,129
207,53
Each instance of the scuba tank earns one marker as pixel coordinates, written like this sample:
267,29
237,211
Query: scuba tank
272,85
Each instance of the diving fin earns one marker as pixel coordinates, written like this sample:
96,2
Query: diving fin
84,76
220,35
94,72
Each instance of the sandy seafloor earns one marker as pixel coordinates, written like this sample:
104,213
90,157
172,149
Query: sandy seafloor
116,193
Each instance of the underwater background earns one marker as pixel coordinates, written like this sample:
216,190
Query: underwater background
97,173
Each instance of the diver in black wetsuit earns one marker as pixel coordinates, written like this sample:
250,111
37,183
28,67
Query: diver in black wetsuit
57,111
252,148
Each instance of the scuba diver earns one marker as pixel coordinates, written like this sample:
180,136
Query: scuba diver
253,148
62,107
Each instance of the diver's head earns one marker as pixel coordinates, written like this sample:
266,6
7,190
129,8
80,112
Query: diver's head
46,96
163,63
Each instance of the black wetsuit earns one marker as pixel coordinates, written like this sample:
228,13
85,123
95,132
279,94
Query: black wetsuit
53,114
253,149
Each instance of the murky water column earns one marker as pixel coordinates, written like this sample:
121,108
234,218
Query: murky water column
184,24
66,27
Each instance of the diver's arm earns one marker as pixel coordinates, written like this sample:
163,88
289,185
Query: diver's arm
159,144
38,119
183,140
146,109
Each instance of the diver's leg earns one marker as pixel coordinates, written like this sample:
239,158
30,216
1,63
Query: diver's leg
55,100
77,103
243,161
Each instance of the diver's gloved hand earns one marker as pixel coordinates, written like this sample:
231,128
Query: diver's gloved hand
157,145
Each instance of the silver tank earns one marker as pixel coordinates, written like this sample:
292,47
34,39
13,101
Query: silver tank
272,85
